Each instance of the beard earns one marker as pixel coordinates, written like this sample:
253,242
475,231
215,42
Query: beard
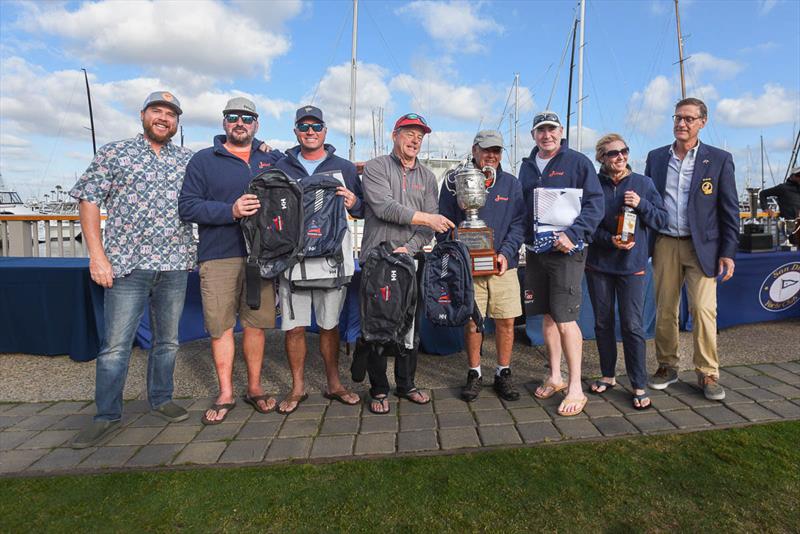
158,137
238,136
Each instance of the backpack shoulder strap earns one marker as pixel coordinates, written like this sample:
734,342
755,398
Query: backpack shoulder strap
252,272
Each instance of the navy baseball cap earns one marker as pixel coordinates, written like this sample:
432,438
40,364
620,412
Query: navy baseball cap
306,112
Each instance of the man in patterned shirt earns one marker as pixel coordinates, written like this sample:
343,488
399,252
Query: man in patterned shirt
145,256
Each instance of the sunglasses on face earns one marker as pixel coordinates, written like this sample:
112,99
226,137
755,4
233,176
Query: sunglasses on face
316,126
413,117
233,118
614,153
687,119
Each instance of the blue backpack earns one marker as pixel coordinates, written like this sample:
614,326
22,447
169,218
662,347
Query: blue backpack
448,293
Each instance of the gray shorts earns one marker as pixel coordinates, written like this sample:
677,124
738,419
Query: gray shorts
328,304
553,285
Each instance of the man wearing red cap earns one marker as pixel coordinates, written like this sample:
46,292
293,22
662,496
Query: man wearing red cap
401,208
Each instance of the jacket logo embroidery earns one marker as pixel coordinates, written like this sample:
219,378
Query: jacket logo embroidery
264,164
707,187
498,198
555,173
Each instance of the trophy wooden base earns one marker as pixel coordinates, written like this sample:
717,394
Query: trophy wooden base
480,242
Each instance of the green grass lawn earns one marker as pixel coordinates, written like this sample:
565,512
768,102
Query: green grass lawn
742,480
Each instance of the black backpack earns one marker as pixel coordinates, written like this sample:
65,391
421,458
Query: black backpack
274,234
388,295
448,294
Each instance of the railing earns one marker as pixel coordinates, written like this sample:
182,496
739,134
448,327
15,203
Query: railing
33,235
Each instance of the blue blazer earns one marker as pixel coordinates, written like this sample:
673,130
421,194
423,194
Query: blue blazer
713,208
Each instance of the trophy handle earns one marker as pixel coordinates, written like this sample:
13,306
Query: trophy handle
490,172
450,181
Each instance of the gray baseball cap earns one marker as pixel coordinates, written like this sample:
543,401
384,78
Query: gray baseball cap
488,139
308,111
163,97
240,103
546,118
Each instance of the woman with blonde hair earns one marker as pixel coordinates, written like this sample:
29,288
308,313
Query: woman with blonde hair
616,265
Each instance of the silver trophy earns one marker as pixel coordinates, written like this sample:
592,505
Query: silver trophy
470,191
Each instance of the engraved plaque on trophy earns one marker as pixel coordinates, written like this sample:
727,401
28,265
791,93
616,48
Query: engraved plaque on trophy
470,191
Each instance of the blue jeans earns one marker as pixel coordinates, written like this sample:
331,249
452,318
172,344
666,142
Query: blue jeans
125,302
628,291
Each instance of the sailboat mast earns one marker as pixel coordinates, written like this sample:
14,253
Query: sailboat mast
353,84
571,71
91,115
762,162
580,77
680,49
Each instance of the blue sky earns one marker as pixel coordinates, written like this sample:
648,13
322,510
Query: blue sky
452,61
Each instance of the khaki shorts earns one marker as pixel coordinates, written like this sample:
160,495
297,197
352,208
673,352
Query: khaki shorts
224,296
498,296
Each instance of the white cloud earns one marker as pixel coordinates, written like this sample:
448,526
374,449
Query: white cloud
702,62
269,15
648,109
707,93
765,6
458,25
430,96
589,139
12,141
776,105
333,97
761,47
189,35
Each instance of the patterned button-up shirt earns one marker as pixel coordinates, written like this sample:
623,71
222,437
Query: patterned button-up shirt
139,191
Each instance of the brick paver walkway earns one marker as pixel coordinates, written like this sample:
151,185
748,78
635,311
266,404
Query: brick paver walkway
34,437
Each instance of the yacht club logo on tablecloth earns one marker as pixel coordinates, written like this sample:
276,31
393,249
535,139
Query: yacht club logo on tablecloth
781,288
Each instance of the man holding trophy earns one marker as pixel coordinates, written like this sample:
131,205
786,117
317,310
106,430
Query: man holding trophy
487,205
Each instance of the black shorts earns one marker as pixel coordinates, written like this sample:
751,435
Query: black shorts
553,285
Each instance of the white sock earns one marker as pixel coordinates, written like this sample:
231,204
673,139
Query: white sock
477,370
499,368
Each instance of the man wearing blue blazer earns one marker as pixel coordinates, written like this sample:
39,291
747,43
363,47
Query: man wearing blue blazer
698,245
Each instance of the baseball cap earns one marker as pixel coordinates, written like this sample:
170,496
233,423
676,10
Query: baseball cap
163,97
240,103
795,170
488,139
308,111
412,119
546,118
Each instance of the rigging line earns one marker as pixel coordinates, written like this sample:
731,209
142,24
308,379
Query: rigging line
769,166
596,96
333,54
634,131
391,56
608,40
58,133
505,107
712,130
563,56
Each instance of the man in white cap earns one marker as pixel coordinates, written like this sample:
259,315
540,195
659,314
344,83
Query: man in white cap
212,197
497,295
137,180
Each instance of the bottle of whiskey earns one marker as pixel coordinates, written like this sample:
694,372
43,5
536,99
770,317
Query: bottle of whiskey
626,225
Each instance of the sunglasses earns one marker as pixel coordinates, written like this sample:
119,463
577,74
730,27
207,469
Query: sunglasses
233,118
614,153
316,126
413,117
551,117
688,120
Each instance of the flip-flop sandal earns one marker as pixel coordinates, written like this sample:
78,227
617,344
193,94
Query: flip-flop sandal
383,401
409,396
581,404
227,406
552,387
601,384
297,399
641,398
253,401
339,396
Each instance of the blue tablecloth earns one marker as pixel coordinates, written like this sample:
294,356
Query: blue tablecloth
50,306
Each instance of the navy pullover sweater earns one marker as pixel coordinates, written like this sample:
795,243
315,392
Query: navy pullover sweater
651,217
504,212
215,178
567,168
292,167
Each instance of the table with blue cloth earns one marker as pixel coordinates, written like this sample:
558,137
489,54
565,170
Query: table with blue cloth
50,306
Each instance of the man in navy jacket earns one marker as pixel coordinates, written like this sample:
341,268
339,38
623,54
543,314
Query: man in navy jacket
698,245
497,295
212,197
553,277
313,156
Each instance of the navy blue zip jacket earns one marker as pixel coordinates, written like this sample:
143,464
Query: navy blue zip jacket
651,217
292,167
568,168
504,212
215,178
